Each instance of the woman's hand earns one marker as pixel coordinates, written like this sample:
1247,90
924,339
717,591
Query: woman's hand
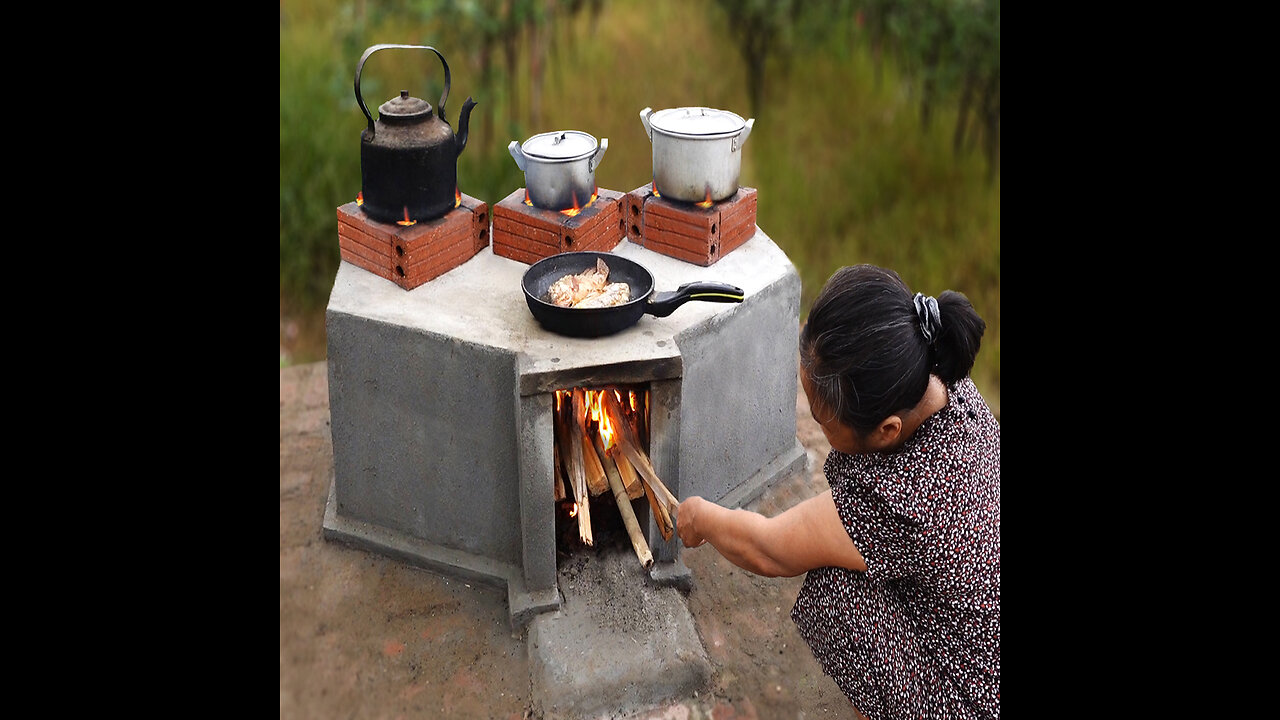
687,521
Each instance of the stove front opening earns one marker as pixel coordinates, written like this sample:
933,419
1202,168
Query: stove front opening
602,496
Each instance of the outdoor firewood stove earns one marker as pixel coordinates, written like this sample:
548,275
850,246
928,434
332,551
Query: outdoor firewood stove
442,403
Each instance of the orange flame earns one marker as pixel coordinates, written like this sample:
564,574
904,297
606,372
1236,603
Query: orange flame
655,189
457,197
406,221
706,203
573,210
527,201
359,198
573,510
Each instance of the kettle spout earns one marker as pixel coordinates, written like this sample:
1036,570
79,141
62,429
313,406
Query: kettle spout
464,121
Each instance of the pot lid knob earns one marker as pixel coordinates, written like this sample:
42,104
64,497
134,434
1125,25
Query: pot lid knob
404,109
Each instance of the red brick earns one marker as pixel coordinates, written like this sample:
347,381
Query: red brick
410,256
687,232
528,234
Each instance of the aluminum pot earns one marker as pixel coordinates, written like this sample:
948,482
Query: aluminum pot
559,168
697,151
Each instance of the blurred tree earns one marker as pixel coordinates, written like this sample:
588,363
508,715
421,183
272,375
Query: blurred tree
951,50
762,29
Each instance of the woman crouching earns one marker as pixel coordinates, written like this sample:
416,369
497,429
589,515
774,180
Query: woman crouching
901,600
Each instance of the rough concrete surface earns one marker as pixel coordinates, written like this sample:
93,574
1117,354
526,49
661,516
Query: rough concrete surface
365,636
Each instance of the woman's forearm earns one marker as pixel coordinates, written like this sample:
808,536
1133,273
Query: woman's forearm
741,536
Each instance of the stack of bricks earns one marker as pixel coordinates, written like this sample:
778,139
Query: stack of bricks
687,232
528,234
412,255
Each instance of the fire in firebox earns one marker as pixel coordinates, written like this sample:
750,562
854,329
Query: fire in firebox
602,466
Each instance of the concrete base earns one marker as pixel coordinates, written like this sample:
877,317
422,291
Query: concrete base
618,644
523,604
441,408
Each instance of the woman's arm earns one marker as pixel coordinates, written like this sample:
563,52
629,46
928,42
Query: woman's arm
806,536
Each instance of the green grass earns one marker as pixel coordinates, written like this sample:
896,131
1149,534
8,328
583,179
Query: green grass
845,172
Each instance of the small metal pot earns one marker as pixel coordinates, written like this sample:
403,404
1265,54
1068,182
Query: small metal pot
696,151
559,168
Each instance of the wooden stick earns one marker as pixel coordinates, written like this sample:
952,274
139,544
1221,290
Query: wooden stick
661,500
660,513
630,480
620,495
557,472
641,462
597,483
578,465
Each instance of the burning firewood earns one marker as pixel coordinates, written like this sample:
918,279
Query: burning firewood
597,483
661,500
557,475
577,465
645,468
620,495
630,447
630,479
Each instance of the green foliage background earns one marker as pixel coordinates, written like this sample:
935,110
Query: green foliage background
876,136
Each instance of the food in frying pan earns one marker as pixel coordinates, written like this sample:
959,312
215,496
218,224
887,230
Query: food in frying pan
589,288
613,294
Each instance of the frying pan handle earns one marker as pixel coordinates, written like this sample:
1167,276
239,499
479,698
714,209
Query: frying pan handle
664,303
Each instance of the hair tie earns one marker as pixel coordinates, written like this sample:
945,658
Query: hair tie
930,318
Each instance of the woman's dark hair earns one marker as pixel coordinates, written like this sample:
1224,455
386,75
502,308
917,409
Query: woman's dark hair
869,344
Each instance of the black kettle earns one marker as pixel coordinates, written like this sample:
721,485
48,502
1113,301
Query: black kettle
409,157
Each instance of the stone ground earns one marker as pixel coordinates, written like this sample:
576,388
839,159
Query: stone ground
363,636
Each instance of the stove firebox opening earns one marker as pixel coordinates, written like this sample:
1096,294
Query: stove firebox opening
604,485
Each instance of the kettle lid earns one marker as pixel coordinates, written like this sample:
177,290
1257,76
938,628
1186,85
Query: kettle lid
404,109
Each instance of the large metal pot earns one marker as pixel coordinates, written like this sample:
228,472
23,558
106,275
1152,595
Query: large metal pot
559,168
409,156
697,152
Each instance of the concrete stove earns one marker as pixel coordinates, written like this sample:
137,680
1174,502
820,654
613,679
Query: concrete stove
441,408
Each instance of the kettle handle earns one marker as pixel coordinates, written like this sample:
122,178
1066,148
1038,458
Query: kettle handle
374,48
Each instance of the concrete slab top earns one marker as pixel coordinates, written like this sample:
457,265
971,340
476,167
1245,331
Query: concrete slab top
481,302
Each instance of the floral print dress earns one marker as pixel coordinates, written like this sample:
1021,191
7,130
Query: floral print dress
918,634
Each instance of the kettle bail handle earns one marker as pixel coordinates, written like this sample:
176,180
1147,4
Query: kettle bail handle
374,48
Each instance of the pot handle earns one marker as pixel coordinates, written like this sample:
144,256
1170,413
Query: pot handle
644,118
664,303
741,138
594,162
517,154
374,48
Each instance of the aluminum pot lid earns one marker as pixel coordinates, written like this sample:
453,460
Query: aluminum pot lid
404,107
700,121
560,145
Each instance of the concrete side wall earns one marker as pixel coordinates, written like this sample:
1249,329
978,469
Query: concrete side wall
537,496
737,414
424,435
